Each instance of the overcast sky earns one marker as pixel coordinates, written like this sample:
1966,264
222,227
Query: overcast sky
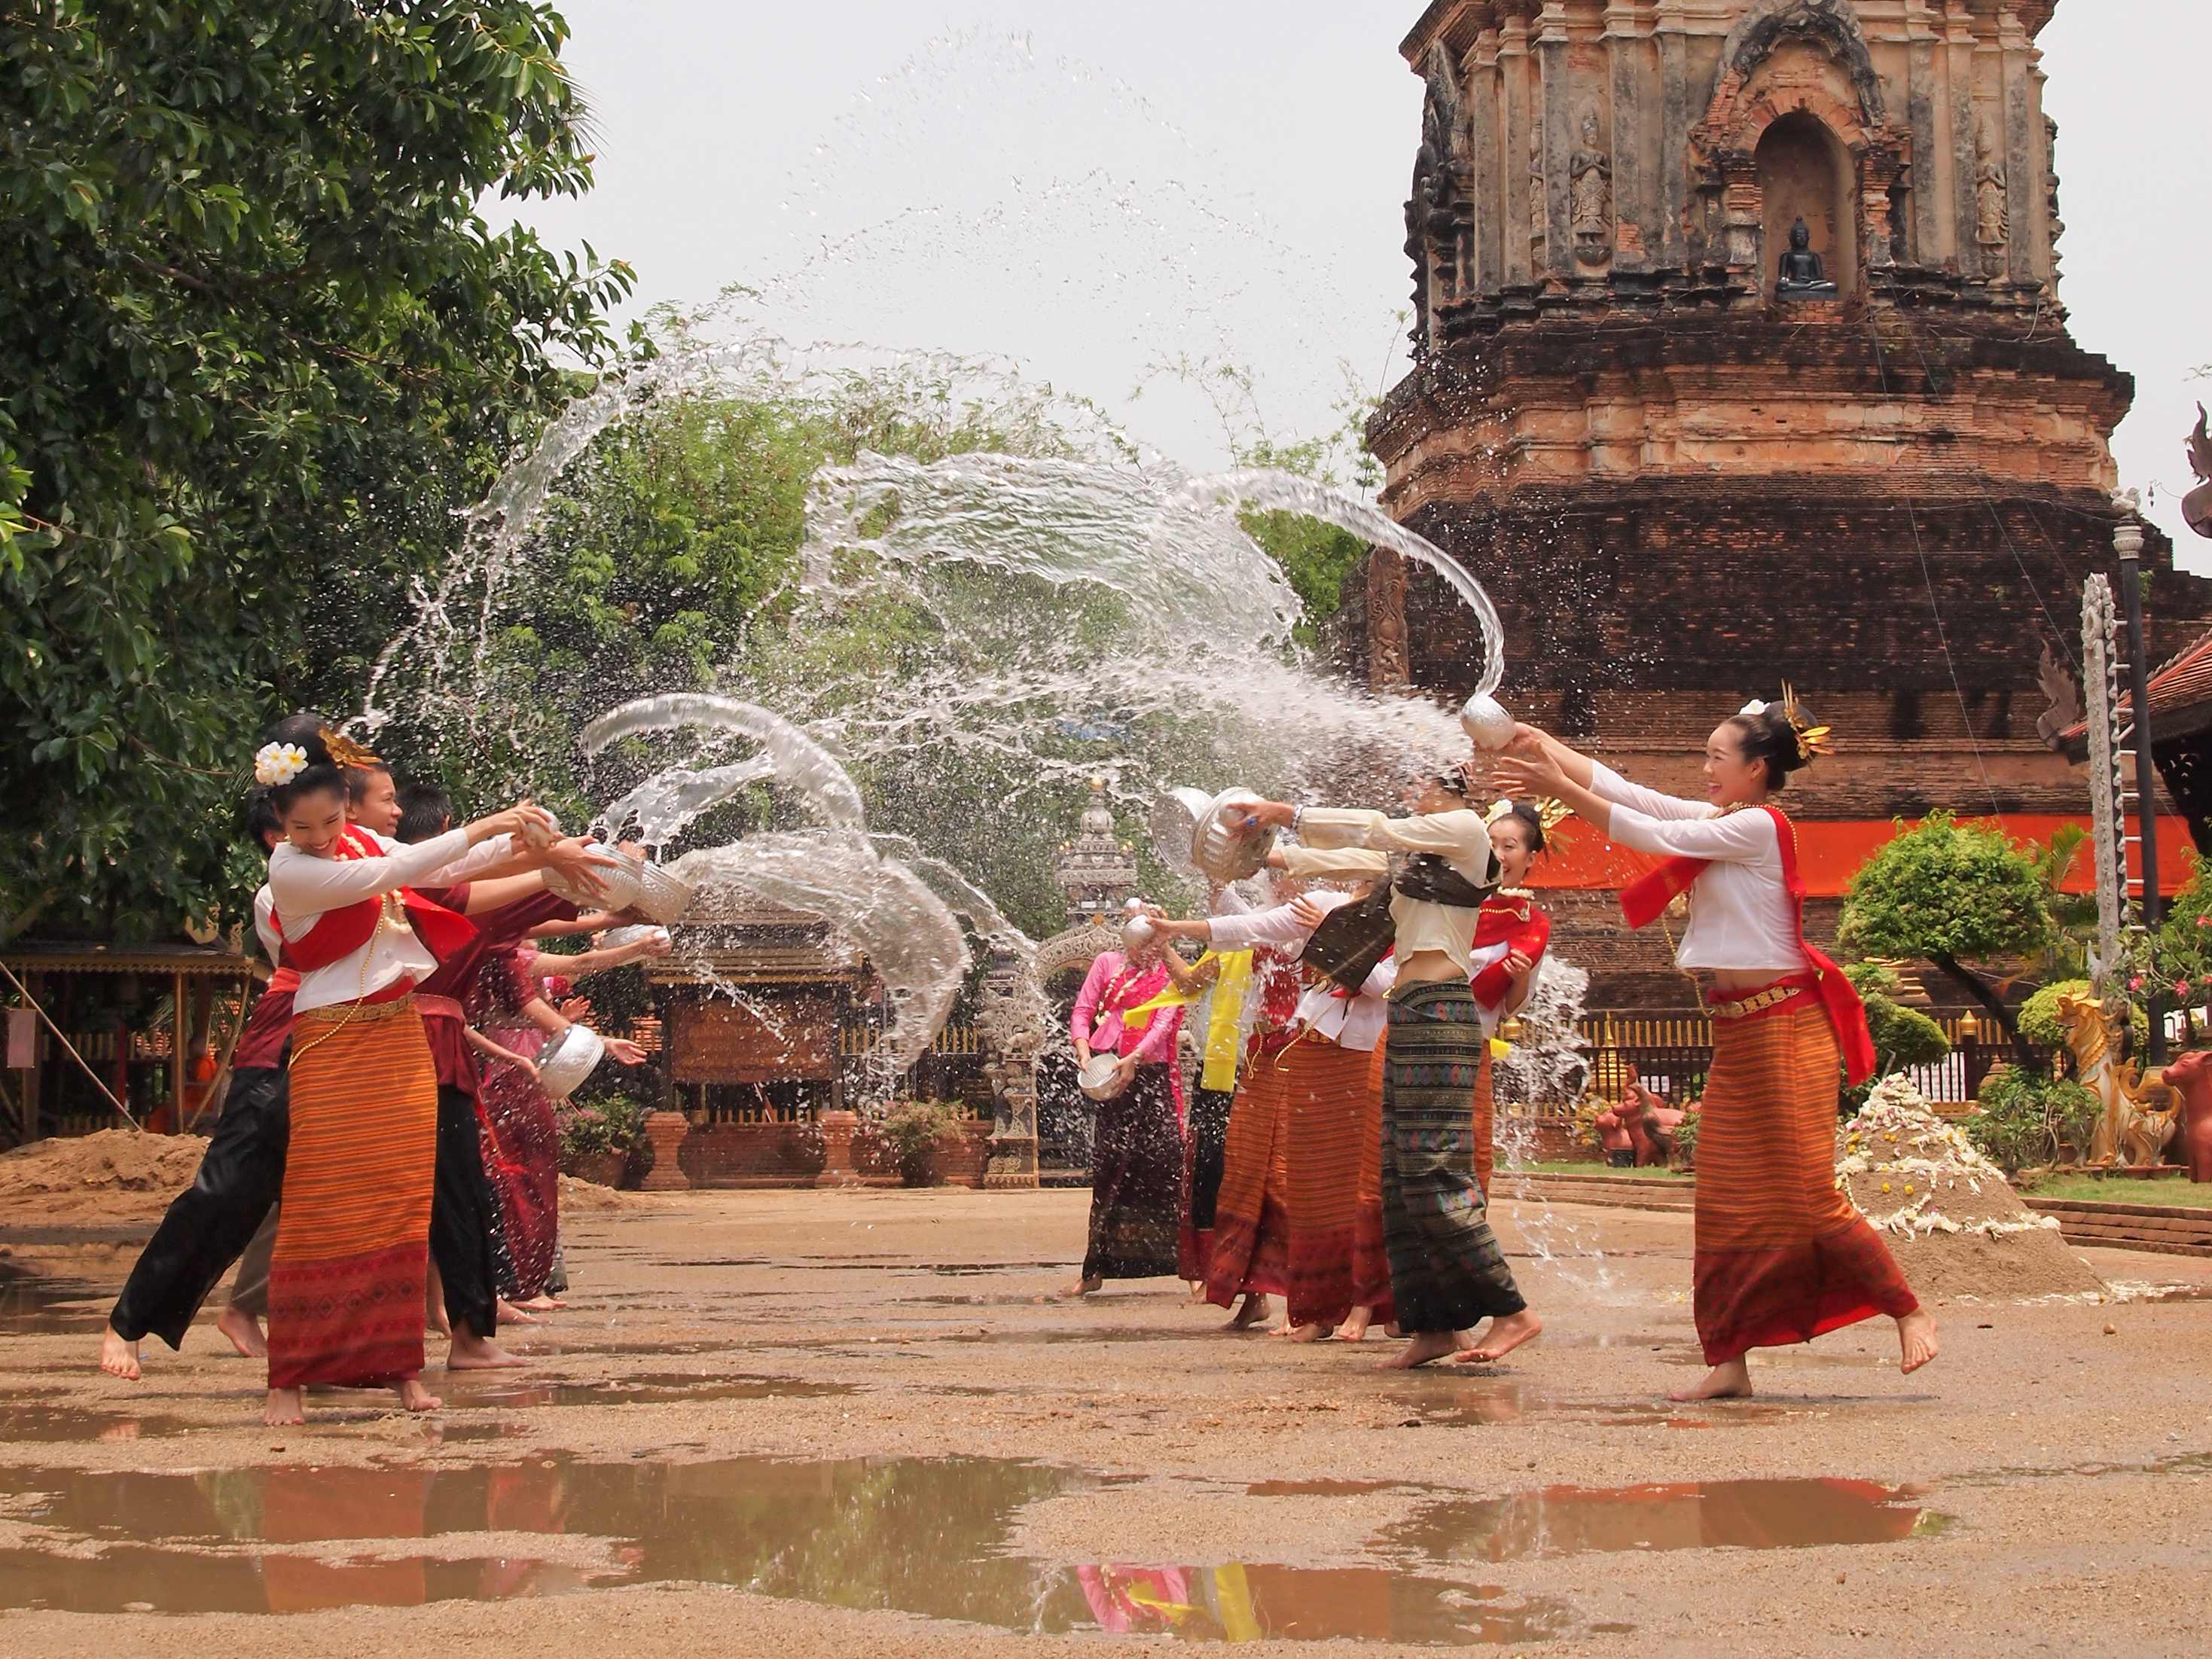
1100,193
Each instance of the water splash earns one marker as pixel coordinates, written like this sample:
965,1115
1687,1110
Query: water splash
791,758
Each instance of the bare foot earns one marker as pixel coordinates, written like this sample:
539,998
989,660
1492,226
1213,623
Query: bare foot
434,1301
1249,1312
471,1353
284,1407
543,1303
1504,1335
416,1398
1424,1347
1312,1332
1197,1292
1082,1287
243,1331
118,1358
1729,1380
1355,1324
1916,1335
511,1315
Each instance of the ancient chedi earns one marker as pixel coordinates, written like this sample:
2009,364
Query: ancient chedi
1739,357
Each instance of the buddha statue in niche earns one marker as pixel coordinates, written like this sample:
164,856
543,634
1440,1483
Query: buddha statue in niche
1800,275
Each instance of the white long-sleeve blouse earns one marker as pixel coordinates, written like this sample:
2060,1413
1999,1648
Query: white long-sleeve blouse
1741,915
304,887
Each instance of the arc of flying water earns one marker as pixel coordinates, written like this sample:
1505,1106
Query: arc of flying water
665,804
1269,489
909,933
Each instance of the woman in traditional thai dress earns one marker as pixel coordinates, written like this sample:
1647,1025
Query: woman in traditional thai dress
513,1004
1220,984
1136,1146
1446,1272
1289,1222
346,1286
1781,1257
1510,935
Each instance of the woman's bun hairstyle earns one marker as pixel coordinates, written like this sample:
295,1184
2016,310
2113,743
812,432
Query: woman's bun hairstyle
321,773
1769,736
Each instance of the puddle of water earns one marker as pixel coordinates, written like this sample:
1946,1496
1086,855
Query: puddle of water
72,1424
33,1305
1133,1333
1790,1359
917,1535
1318,1488
1755,1514
1450,1403
517,1388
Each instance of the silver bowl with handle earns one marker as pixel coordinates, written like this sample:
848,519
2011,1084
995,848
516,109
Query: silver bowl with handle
1223,848
1097,1078
1174,822
569,1059
659,894
621,880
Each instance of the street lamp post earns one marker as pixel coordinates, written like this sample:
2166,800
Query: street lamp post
2128,542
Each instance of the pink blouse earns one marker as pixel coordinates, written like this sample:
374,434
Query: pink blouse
1110,990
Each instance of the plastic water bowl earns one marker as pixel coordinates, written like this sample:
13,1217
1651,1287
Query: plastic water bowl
1224,851
622,880
1096,1078
615,938
568,1059
659,894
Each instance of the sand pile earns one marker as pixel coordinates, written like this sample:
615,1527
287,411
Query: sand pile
590,1195
1958,1229
76,1180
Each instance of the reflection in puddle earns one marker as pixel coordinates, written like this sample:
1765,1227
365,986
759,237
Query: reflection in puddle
1790,1359
916,1536
516,1389
1451,1403
72,1424
32,1304
1756,1515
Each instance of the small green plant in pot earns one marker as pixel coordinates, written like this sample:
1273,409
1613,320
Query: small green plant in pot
2027,1121
913,1130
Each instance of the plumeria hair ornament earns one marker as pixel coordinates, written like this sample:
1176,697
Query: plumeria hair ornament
277,763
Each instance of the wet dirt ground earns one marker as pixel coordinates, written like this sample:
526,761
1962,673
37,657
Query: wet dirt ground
836,1423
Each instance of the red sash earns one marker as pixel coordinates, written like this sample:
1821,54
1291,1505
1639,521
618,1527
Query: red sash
1517,924
338,934
1642,901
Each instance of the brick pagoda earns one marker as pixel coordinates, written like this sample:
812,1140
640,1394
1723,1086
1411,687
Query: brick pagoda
1682,488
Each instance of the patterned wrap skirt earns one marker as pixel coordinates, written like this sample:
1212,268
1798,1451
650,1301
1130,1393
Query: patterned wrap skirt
1446,1272
1205,1144
1289,1219
1136,1179
522,1156
346,1281
1782,1256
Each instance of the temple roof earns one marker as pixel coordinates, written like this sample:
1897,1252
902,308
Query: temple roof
2181,699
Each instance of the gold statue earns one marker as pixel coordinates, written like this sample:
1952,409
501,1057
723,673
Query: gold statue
2138,1117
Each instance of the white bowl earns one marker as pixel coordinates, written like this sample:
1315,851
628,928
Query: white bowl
568,1059
1486,720
1224,851
1096,1078
621,878
1138,931
615,938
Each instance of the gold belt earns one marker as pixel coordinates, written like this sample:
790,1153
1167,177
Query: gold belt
354,1012
1772,997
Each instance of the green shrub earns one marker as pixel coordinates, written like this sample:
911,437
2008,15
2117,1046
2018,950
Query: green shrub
611,1123
2040,1021
1686,1141
2027,1121
915,1126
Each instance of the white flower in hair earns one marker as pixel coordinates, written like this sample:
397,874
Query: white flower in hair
277,763
1754,707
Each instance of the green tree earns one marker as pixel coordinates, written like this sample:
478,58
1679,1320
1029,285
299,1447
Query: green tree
1903,1037
1961,897
256,346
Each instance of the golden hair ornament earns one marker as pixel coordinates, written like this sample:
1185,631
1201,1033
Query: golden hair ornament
1811,739
345,751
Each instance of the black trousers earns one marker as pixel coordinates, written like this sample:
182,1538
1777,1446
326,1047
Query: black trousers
464,1214
241,1175
211,1222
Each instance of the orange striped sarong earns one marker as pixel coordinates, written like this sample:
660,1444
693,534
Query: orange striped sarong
346,1280
1781,1254
1287,1220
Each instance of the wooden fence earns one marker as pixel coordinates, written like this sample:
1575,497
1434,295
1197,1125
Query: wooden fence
1671,1053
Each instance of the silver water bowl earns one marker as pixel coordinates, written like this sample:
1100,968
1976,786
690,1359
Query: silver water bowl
1487,721
1138,931
568,1059
1174,824
615,938
1096,1079
1223,849
621,880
